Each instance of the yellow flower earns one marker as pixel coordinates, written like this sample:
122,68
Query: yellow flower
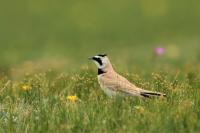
72,98
26,88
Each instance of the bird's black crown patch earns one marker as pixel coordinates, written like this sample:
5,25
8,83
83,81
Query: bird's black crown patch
102,55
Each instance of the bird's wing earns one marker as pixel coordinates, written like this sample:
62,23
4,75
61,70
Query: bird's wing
120,84
127,87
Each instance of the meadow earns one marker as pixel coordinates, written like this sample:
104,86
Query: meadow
47,83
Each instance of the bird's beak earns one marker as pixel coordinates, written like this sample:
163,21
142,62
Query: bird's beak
90,58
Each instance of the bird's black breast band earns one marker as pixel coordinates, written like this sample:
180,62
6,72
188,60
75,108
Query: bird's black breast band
100,71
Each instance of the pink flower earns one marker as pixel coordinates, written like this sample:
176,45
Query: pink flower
159,51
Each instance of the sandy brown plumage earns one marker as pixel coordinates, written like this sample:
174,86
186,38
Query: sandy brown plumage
113,84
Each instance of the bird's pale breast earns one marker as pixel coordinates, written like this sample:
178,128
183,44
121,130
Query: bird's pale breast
104,87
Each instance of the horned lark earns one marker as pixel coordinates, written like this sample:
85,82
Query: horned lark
113,84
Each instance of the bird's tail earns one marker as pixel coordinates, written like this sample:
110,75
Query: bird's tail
148,94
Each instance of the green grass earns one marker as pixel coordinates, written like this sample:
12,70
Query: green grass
44,106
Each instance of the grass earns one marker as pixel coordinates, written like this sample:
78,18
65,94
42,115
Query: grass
38,103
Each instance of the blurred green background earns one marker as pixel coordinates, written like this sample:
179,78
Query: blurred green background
54,33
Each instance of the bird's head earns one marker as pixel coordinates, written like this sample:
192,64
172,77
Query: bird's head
101,60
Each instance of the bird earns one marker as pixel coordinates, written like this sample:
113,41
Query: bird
114,84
